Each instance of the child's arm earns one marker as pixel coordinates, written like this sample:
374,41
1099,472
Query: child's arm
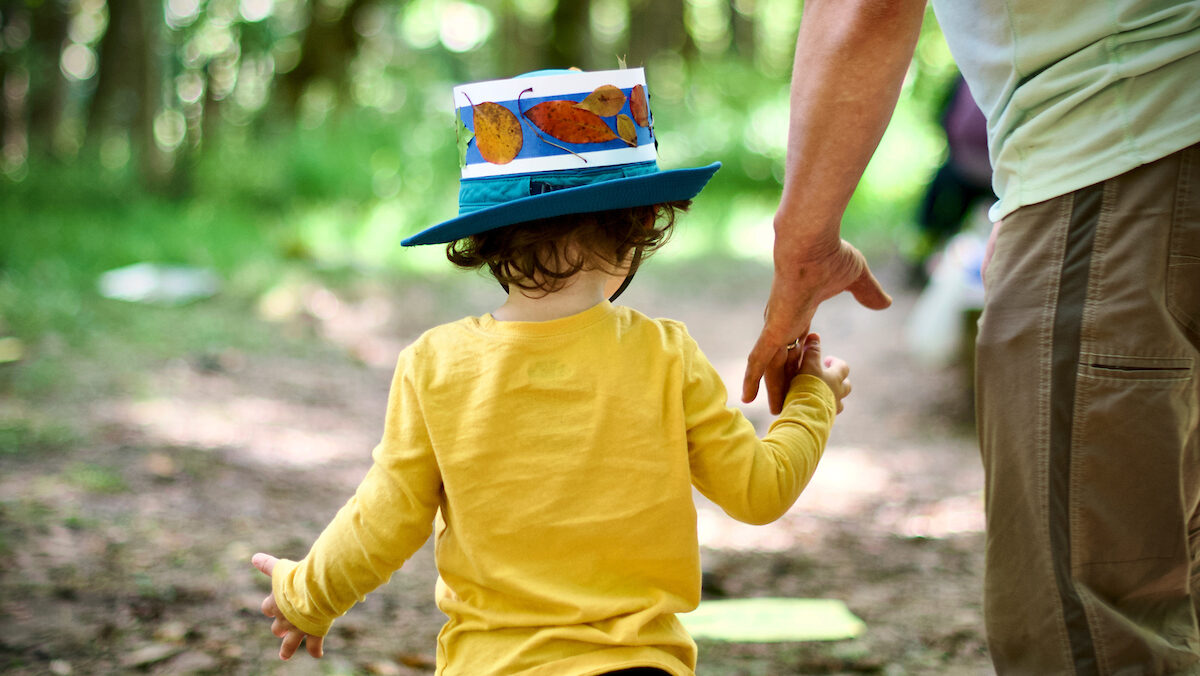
290,633
755,480
389,517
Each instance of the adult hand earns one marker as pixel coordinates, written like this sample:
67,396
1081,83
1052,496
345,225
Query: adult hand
799,286
281,627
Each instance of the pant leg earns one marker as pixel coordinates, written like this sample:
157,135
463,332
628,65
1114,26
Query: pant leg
1087,381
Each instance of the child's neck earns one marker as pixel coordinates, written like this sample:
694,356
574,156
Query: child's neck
583,290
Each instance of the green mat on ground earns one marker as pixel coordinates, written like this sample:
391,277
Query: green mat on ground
769,620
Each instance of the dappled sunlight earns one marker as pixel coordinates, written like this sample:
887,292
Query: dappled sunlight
268,431
850,488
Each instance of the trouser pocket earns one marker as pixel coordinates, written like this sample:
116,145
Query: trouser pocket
1183,269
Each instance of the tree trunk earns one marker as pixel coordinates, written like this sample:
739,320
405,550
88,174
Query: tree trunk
47,86
330,43
743,34
656,26
114,103
569,44
521,44
157,166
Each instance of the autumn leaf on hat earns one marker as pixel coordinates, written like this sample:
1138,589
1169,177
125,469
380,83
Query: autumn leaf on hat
497,132
565,122
626,130
605,101
639,106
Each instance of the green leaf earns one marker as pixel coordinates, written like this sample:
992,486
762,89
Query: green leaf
464,139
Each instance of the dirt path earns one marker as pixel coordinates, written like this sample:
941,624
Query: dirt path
124,544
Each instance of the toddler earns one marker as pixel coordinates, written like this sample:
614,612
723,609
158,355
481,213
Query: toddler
552,445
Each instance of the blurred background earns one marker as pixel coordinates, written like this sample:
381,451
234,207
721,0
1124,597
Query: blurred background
202,294
227,132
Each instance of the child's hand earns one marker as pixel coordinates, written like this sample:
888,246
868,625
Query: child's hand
281,627
834,371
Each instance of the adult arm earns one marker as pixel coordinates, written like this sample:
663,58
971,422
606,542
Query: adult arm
851,57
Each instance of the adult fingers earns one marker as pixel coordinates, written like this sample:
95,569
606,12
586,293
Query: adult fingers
756,366
777,382
770,352
315,645
264,562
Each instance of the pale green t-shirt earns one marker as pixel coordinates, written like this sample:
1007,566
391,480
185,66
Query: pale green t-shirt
1076,92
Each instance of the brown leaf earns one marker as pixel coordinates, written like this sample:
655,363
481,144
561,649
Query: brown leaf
639,106
626,130
497,132
565,122
605,101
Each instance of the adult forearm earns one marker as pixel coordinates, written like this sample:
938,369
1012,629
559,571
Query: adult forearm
851,58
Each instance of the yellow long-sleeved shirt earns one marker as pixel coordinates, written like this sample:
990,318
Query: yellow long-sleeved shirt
558,458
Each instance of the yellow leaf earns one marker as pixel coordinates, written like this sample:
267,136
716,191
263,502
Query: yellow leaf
497,132
606,101
626,130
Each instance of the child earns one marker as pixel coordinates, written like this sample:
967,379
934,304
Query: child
553,444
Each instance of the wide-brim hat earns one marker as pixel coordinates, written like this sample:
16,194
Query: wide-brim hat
557,142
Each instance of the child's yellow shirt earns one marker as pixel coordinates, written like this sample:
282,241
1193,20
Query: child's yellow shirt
558,458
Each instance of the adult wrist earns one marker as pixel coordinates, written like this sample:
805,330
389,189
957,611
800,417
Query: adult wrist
810,244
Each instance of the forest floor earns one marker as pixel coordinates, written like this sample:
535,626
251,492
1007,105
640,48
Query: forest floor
128,513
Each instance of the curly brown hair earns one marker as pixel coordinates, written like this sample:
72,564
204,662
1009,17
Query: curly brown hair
540,255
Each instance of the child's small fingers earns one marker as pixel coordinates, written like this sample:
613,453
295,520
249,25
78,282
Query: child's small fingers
264,562
280,627
316,646
839,367
268,606
290,643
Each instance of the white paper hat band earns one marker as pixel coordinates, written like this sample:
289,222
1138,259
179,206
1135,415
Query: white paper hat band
555,122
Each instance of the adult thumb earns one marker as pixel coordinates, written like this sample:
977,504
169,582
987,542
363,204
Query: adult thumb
868,291
264,562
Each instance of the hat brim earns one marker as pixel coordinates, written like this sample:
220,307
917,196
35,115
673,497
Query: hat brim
635,191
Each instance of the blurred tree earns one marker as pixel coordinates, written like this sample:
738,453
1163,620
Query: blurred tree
569,41
330,43
114,102
47,102
162,86
657,26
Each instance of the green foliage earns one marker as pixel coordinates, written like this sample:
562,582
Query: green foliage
26,436
337,189
96,478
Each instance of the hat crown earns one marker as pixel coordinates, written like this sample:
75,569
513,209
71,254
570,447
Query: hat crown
554,121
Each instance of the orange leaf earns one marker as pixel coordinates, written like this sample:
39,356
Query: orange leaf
605,101
639,106
497,132
565,122
626,130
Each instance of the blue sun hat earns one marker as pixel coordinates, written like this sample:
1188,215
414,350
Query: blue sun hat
557,142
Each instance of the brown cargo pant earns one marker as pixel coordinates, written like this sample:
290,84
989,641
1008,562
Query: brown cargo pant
1088,382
